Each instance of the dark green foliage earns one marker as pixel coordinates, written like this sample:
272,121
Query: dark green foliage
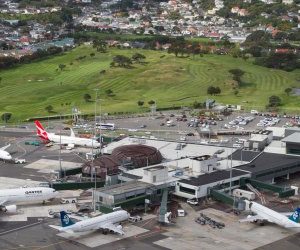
140,103
5,117
211,90
122,61
285,61
49,108
274,101
87,97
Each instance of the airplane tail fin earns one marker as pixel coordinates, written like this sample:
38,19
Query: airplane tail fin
72,133
41,132
65,219
296,215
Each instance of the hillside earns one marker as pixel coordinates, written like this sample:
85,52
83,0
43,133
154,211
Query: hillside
26,90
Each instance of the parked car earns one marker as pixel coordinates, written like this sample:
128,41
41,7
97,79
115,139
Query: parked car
143,126
190,134
193,201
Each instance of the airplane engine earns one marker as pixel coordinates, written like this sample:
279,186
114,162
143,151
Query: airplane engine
10,209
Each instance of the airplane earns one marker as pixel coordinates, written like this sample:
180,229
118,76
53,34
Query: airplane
70,141
9,196
4,155
106,222
264,214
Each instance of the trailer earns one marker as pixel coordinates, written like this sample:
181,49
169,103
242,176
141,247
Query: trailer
240,193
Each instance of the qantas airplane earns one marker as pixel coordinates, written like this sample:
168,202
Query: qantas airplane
264,214
70,141
106,222
4,155
10,196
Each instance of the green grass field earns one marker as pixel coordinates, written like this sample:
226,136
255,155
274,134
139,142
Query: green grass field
26,90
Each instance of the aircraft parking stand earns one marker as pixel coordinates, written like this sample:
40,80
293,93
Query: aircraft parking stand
233,236
36,210
48,166
7,182
97,239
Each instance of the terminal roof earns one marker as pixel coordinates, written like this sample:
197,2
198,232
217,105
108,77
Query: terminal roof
293,138
213,177
269,161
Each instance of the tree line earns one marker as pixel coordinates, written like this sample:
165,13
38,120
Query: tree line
9,61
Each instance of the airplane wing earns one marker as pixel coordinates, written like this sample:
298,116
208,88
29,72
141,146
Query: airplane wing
252,218
5,147
2,202
61,229
112,227
287,213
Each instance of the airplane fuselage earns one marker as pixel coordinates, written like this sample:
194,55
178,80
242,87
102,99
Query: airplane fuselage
95,223
27,194
5,155
273,216
66,140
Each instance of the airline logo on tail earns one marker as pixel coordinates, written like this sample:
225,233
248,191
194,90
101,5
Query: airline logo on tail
65,219
295,216
41,132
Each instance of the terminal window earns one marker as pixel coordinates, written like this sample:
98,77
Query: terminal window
187,190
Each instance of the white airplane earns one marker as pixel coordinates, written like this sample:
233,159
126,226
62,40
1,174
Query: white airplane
106,222
264,214
4,155
70,141
10,196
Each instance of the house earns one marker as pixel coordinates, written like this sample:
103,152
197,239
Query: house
287,1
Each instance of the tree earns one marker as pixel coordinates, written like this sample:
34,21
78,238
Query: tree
49,108
288,91
137,57
217,91
151,102
87,97
61,66
274,101
211,90
109,92
0,79
140,103
237,74
235,92
100,45
92,54
122,61
6,116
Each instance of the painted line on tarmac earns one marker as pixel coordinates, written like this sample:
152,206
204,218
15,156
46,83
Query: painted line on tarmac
19,228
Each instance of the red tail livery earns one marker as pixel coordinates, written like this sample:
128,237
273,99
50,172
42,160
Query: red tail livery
41,132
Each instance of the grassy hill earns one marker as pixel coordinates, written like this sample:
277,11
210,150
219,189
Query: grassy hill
26,90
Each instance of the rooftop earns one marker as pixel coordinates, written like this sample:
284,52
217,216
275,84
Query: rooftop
213,177
267,161
293,138
124,187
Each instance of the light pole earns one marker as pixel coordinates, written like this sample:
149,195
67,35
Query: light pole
93,169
